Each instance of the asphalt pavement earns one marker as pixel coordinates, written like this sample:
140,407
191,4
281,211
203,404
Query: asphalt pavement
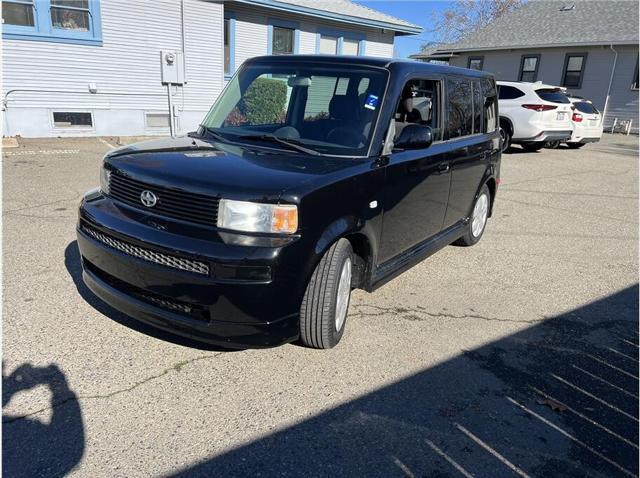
515,357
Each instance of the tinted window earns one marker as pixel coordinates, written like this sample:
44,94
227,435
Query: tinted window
552,94
508,92
420,104
585,107
459,108
478,106
490,105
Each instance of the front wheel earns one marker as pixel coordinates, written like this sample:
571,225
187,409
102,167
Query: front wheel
532,147
478,220
323,313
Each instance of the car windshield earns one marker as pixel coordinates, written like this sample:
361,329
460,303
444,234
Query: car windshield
329,110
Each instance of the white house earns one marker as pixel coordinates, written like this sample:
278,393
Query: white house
85,67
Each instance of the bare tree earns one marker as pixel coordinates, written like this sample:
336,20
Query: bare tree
467,16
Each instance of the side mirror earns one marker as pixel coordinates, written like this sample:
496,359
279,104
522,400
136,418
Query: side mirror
414,136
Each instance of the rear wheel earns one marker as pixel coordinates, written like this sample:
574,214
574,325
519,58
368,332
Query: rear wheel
506,137
323,313
552,144
478,220
575,145
531,147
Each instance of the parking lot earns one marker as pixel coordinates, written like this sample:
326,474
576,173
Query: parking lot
516,357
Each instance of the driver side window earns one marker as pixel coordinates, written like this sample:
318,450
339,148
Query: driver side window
420,104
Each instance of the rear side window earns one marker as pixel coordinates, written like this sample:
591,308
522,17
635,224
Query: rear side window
509,92
490,106
478,106
585,107
459,108
553,95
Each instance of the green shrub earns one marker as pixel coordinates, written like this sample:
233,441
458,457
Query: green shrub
264,101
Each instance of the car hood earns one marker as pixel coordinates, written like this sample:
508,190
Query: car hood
220,169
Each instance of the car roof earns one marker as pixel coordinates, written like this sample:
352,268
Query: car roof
536,85
395,64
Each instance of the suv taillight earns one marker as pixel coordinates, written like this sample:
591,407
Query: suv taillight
577,117
540,107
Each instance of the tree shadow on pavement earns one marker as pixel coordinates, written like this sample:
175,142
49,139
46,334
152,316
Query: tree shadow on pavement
32,446
557,399
74,266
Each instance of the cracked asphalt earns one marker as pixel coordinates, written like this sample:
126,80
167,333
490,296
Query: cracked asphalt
515,357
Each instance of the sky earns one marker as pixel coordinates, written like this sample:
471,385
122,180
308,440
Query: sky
418,12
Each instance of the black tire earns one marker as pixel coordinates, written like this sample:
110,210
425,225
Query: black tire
318,327
575,145
532,147
552,144
469,239
506,137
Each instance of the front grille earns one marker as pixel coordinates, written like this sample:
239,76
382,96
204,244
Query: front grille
167,260
186,206
194,311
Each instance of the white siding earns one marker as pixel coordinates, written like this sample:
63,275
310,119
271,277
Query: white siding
126,68
380,44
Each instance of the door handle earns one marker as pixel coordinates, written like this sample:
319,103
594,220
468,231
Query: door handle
443,167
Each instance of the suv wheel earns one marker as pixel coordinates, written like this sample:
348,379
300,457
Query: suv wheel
478,220
531,147
552,144
323,313
506,138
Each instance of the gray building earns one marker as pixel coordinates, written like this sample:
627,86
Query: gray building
589,47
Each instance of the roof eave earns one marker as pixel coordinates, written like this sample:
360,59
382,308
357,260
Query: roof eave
288,7
526,47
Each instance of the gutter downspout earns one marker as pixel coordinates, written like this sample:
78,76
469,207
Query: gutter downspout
606,101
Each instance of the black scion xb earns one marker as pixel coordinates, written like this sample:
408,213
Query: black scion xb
309,177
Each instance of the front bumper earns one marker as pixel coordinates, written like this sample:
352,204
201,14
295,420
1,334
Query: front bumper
248,296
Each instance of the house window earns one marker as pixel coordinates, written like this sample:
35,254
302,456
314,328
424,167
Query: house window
157,120
574,70
337,42
350,47
62,21
475,62
70,15
18,13
229,43
634,85
283,41
328,45
72,119
529,68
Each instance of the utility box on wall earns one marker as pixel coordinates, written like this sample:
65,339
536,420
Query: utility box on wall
171,67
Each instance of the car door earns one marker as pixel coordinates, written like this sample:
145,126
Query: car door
473,144
414,197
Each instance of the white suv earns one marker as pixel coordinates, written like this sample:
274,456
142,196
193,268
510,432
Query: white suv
532,114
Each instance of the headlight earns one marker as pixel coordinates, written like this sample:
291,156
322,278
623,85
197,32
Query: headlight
105,177
255,217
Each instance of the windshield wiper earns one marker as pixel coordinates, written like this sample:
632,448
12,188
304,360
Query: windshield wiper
283,142
214,134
